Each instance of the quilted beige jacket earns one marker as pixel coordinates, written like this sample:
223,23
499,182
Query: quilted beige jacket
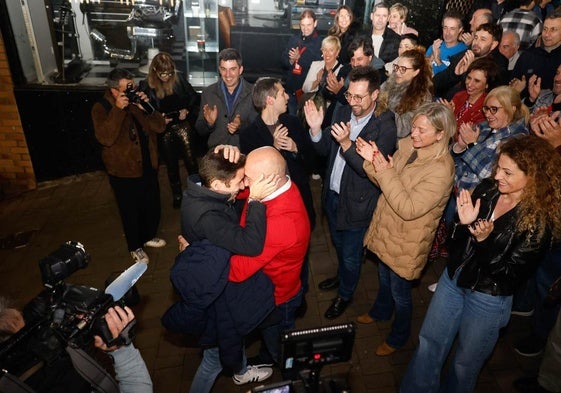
412,201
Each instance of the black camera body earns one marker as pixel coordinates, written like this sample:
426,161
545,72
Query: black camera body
134,98
61,315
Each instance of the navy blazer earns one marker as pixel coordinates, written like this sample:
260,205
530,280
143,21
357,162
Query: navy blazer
223,312
358,195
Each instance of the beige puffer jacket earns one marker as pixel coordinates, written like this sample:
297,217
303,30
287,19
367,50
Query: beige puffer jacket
412,201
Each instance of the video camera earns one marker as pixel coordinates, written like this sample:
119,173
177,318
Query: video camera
67,314
306,351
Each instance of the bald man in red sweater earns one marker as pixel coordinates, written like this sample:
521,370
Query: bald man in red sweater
286,243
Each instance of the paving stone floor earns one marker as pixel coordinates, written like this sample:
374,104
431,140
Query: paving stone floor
82,208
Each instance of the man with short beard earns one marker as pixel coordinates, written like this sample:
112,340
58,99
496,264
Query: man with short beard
349,198
485,43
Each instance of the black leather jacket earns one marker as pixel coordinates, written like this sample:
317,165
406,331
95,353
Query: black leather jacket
500,263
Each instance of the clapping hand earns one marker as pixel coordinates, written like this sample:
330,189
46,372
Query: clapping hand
366,149
281,140
210,114
334,84
463,64
481,229
467,212
467,133
342,132
314,116
235,124
547,126
449,104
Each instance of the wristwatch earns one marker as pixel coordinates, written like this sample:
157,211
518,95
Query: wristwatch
472,144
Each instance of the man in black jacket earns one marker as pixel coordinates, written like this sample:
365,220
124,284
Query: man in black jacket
384,39
349,197
485,44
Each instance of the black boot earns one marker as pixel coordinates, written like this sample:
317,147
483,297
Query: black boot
177,195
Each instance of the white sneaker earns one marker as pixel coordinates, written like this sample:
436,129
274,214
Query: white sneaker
139,255
253,374
155,243
432,287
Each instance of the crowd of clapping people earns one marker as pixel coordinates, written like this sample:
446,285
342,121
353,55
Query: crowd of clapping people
451,150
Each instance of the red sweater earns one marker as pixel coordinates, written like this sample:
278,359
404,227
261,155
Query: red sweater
286,243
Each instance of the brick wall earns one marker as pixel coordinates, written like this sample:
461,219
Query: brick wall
16,171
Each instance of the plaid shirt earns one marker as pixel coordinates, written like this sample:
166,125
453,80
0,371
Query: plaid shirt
545,98
476,163
525,22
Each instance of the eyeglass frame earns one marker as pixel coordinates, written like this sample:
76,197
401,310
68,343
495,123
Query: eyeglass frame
163,74
492,109
402,69
349,97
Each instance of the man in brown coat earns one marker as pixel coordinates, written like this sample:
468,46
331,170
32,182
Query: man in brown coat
127,133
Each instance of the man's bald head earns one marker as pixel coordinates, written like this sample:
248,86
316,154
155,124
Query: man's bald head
265,161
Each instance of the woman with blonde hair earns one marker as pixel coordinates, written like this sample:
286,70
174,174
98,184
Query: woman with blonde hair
346,28
321,74
409,86
397,18
172,95
415,184
476,147
502,231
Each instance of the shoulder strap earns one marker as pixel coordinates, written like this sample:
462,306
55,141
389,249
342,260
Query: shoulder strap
11,384
91,371
106,104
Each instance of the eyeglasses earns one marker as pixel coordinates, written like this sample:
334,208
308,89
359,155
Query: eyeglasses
492,109
350,97
401,69
166,73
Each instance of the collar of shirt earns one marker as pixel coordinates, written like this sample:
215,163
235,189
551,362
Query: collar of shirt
231,98
278,192
358,124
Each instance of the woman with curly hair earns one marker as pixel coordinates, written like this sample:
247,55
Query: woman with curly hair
172,95
500,235
407,88
346,28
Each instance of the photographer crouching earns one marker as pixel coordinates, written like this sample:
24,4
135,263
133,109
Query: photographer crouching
59,374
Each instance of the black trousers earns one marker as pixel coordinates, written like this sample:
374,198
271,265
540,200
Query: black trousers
138,200
174,145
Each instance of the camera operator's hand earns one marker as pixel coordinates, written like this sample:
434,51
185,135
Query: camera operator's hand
117,319
121,101
142,95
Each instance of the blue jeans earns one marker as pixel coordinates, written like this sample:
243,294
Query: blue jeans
545,317
475,318
394,295
348,245
209,369
271,353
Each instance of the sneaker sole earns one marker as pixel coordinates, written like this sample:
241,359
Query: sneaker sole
528,355
523,313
